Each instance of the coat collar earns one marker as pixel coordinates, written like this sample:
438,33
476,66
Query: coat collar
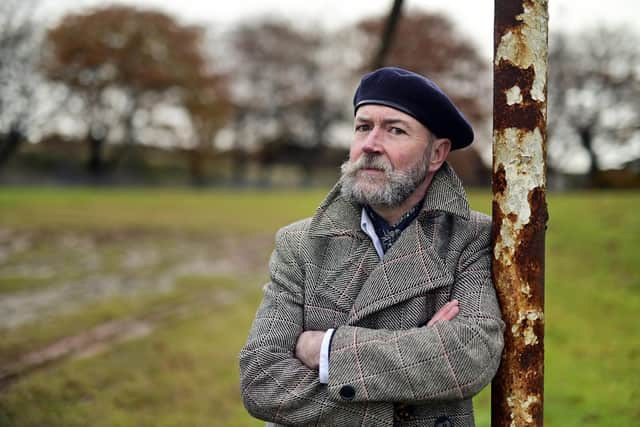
338,216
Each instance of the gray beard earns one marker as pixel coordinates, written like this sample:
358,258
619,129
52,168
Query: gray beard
374,191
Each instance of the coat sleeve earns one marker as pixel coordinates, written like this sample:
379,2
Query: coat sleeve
275,385
451,360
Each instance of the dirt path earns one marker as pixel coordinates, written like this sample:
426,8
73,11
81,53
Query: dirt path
80,270
84,269
104,336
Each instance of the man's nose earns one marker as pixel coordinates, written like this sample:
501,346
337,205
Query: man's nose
373,142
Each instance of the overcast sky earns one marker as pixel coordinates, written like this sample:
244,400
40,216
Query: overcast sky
473,17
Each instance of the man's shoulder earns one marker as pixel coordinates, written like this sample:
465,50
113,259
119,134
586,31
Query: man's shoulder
477,226
300,226
481,218
294,231
475,230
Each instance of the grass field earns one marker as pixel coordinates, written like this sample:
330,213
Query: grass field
128,307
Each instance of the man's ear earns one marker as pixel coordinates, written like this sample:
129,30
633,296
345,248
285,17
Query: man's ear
439,152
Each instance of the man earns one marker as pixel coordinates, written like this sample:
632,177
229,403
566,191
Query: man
380,310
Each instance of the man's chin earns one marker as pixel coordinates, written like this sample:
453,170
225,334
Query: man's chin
371,179
370,186
369,194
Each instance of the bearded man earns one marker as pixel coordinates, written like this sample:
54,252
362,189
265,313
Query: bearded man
380,310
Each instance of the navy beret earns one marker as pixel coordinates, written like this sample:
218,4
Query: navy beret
417,96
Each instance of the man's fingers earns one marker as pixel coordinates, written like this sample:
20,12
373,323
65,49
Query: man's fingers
441,314
448,312
452,313
438,314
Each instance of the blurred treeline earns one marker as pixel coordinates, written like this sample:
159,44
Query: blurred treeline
122,95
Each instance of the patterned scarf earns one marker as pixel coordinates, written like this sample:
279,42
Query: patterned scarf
388,234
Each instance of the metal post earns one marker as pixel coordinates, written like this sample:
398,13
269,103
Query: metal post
519,206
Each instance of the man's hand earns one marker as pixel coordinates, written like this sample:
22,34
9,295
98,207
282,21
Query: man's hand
308,348
447,312
309,342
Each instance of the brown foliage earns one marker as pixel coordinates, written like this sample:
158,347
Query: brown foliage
136,52
276,63
118,45
283,82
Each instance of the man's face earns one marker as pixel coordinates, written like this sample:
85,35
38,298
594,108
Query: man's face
389,157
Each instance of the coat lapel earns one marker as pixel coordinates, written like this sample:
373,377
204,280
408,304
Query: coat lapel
336,216
410,268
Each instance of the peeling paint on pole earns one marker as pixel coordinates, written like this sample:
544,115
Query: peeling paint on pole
519,206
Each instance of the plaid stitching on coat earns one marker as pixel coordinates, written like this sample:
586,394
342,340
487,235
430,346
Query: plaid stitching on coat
325,273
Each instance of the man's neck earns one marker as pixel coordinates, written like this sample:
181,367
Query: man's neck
393,214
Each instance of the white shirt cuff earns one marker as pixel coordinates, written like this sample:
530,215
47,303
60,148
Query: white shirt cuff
324,357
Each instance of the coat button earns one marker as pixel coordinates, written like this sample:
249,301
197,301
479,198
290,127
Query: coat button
443,421
347,392
403,412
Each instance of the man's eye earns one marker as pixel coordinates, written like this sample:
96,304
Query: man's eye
362,128
397,131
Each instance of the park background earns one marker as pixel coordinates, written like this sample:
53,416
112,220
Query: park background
148,155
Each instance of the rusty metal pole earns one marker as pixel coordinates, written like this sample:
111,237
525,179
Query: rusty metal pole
519,206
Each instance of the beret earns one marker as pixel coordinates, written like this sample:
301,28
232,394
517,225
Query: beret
417,96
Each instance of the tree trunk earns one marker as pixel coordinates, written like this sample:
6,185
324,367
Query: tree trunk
239,162
95,162
9,144
586,140
307,168
129,140
196,167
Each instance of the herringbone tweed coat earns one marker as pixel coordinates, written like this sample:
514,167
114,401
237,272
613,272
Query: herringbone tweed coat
325,273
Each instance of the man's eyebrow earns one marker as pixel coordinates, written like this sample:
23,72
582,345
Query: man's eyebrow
393,121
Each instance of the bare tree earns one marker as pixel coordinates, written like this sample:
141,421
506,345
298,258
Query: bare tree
281,92
19,52
594,93
207,100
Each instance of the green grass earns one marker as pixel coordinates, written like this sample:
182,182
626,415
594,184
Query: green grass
592,300
22,283
107,210
185,372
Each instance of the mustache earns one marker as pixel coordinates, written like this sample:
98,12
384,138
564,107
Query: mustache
367,161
